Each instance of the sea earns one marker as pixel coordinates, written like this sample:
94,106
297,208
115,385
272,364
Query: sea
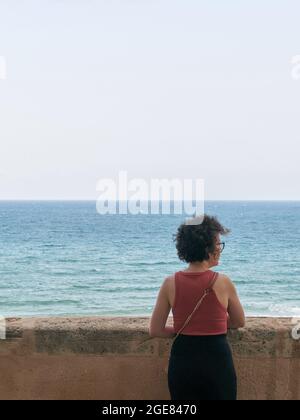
63,258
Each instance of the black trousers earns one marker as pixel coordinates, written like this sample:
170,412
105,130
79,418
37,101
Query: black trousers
202,368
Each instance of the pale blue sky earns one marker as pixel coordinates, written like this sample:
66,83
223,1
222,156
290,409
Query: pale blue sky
168,88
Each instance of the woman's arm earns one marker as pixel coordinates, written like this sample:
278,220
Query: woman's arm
157,327
236,314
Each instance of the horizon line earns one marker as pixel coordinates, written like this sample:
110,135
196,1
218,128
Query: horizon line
123,201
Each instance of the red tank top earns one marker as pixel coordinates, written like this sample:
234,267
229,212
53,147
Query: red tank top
210,318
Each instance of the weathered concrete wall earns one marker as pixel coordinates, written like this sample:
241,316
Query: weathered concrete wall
114,358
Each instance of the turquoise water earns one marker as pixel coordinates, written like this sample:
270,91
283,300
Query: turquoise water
62,258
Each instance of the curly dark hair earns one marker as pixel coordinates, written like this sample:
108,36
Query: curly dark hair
195,242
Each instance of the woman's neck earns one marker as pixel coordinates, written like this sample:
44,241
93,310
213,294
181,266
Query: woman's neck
199,267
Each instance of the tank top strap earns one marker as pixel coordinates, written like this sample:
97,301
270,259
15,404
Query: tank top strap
212,281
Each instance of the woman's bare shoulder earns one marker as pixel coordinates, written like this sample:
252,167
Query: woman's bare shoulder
169,281
224,277
226,281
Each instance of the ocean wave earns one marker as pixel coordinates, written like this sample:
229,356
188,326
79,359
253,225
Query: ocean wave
38,302
146,263
281,309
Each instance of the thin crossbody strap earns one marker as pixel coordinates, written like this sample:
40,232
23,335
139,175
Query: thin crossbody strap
206,292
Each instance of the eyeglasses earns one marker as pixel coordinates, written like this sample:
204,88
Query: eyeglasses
222,246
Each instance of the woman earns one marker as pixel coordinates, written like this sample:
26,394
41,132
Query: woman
201,365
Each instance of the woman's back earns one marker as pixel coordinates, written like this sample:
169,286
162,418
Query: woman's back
211,317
